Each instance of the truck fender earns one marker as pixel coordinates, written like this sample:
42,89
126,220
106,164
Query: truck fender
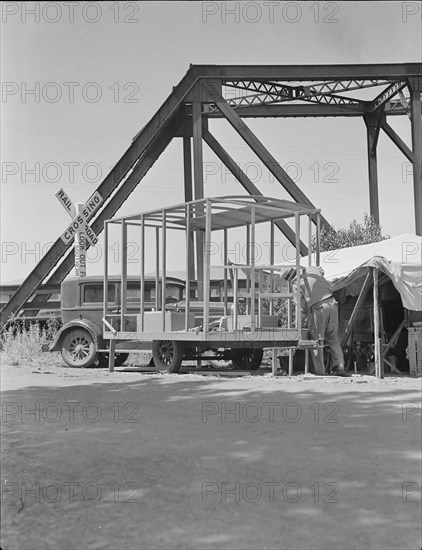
88,325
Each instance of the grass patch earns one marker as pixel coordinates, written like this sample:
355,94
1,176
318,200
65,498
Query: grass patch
21,344
138,359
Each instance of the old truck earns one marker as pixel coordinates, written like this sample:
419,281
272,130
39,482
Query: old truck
80,340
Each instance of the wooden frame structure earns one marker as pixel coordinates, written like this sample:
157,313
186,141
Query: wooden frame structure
202,217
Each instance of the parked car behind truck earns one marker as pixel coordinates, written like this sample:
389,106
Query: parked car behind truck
80,339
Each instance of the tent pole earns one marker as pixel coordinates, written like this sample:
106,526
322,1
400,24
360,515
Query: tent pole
378,367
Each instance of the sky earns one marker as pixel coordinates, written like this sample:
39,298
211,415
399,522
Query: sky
80,79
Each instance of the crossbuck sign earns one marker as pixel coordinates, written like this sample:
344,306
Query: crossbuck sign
78,229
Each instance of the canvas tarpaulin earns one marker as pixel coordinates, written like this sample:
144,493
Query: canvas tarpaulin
400,258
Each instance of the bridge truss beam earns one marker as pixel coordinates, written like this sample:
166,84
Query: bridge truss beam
260,91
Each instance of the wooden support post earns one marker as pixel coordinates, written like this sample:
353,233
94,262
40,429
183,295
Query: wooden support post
274,361
252,271
309,238
111,355
291,356
289,325
376,321
271,263
235,297
225,282
105,290
298,311
382,337
415,85
142,301
163,269
271,242
157,268
123,279
248,244
248,256
378,362
298,277
207,266
248,272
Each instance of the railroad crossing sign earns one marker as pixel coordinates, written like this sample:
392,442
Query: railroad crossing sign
78,228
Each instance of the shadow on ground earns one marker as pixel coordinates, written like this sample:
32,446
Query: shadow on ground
188,462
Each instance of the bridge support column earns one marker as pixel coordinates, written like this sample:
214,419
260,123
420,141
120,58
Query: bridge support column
372,132
415,86
187,164
198,181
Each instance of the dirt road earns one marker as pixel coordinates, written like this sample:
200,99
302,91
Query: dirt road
93,460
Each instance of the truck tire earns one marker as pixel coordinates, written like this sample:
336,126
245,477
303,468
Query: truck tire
79,348
248,359
167,355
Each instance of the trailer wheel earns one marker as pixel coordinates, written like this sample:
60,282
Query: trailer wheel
78,348
167,355
248,359
119,359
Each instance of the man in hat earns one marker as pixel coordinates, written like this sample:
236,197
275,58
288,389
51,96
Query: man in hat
317,295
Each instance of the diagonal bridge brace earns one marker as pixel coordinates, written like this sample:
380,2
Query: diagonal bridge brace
396,139
243,179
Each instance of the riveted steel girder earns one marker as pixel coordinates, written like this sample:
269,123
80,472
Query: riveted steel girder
277,90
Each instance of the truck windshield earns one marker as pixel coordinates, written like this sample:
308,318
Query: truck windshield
93,293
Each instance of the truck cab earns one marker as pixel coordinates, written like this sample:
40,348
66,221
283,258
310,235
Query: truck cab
80,339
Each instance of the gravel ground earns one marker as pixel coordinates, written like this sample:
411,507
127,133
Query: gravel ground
132,459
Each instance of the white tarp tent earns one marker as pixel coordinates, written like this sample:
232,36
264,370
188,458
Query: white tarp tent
400,258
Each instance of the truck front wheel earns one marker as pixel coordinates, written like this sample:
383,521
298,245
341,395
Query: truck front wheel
78,348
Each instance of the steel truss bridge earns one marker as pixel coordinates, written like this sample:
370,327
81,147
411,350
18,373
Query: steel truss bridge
237,93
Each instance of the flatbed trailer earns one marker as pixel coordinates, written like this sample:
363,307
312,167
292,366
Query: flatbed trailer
240,333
